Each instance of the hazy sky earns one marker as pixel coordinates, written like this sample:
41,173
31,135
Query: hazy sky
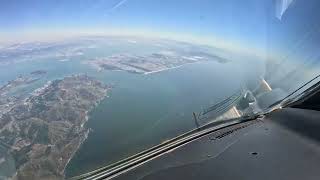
231,19
243,23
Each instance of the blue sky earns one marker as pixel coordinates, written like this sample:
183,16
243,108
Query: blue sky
224,18
246,23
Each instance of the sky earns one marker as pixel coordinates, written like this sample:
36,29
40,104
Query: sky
196,17
240,24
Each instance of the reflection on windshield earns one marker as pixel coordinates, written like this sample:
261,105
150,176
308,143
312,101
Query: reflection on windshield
86,84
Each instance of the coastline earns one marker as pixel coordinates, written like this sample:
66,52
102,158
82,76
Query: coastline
86,134
64,154
83,139
166,69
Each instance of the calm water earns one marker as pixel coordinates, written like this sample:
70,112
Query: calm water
145,110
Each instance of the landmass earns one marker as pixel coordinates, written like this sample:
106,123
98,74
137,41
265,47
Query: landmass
30,51
152,63
38,72
41,133
9,94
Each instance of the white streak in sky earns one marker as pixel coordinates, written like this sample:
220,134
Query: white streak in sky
119,4
281,7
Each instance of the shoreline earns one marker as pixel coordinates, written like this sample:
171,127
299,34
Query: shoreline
166,69
84,138
86,134
67,152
